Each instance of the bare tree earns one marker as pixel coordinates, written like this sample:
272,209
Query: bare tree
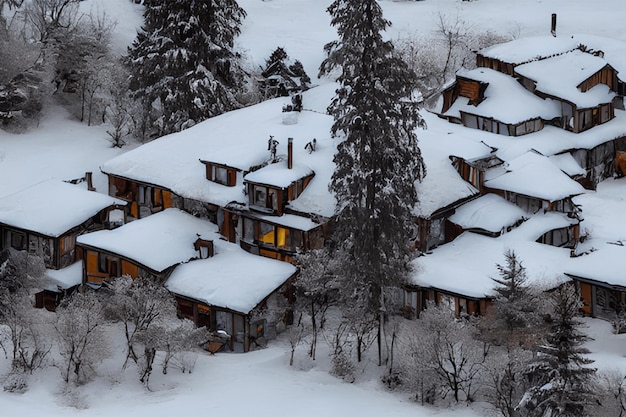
452,350
139,305
80,336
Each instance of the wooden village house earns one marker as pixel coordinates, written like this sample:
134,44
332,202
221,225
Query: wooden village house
216,284
46,219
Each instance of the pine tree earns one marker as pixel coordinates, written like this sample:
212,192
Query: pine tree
516,303
561,383
182,62
378,161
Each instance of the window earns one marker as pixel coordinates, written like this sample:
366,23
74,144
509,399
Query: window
18,240
221,175
259,196
283,238
102,263
605,113
141,194
266,233
248,229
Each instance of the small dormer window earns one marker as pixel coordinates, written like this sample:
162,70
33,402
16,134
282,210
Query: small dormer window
204,247
221,174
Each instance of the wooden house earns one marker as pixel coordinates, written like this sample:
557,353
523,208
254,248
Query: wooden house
601,279
244,297
524,182
150,247
584,85
46,219
505,57
487,100
489,215
473,170
460,272
271,187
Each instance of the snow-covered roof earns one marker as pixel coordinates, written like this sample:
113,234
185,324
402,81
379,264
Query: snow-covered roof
488,212
442,185
232,279
527,49
64,278
505,99
466,265
535,175
288,220
604,265
158,241
279,175
566,163
238,139
53,207
560,76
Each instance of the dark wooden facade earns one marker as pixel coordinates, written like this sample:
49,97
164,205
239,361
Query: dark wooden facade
57,251
261,236
245,331
100,265
271,199
144,199
416,299
600,299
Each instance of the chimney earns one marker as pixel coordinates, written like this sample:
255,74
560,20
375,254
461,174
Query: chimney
553,27
290,153
89,179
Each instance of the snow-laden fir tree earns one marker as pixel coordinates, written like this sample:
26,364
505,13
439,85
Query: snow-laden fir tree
561,383
183,67
378,161
516,304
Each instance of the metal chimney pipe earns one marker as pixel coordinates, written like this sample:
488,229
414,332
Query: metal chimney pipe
553,27
290,153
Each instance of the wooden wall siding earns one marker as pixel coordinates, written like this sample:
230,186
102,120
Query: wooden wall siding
144,199
606,76
416,299
494,64
620,163
450,95
470,89
585,293
279,242
492,125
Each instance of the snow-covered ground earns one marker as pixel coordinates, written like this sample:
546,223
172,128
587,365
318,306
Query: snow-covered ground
261,383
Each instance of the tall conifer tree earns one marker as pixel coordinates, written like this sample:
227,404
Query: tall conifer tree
561,383
182,63
378,161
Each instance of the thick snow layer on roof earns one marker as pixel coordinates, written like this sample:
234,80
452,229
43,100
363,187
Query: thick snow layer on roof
566,163
603,211
52,207
64,278
466,265
442,185
288,220
539,224
527,49
505,99
232,278
489,212
603,265
159,241
173,161
613,50
559,76
535,175
278,174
